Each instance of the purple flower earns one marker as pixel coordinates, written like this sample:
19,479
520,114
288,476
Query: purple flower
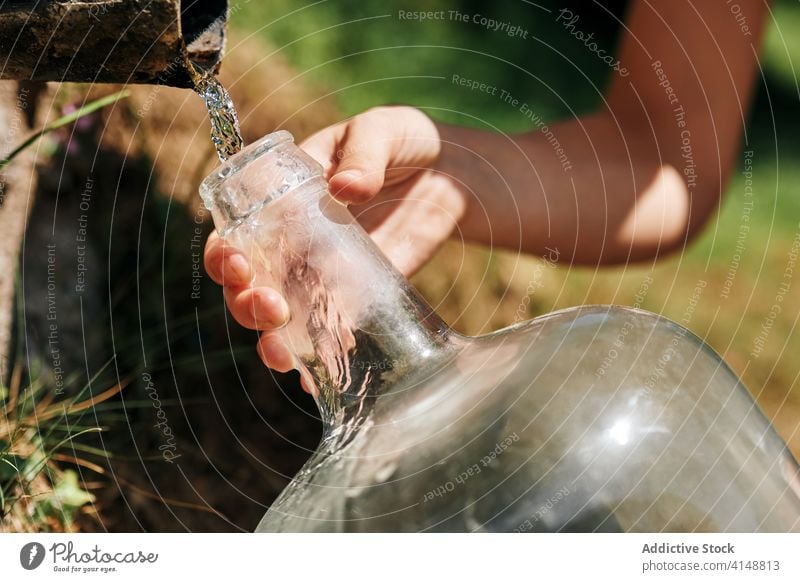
82,124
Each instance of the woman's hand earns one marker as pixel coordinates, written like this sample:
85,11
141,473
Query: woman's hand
380,161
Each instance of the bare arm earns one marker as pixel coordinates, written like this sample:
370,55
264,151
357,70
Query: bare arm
644,172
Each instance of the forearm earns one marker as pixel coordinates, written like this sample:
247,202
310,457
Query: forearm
640,176
578,186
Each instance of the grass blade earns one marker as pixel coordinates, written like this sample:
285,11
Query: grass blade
66,120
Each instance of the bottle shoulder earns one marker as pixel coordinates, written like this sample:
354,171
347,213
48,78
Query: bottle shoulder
587,419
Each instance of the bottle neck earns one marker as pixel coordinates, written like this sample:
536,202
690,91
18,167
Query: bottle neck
367,328
364,351
357,328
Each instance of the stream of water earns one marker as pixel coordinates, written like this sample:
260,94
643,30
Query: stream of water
225,131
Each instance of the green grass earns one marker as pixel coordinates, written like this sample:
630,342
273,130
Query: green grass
781,51
41,438
366,55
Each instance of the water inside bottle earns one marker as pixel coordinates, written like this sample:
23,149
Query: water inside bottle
225,133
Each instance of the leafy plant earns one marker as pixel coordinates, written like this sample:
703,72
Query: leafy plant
39,435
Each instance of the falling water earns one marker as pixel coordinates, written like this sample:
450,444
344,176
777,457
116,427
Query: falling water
224,122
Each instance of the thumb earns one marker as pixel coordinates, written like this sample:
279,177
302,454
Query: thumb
364,154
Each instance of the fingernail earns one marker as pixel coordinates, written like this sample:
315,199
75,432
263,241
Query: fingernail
273,304
347,177
283,310
239,269
275,355
351,174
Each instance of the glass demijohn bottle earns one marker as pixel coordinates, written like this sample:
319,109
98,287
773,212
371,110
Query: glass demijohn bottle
593,418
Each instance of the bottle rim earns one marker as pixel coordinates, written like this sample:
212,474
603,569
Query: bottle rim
230,167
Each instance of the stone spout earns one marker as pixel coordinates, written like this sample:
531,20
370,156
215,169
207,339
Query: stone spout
163,42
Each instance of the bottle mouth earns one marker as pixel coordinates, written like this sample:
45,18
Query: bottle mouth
238,188
210,186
